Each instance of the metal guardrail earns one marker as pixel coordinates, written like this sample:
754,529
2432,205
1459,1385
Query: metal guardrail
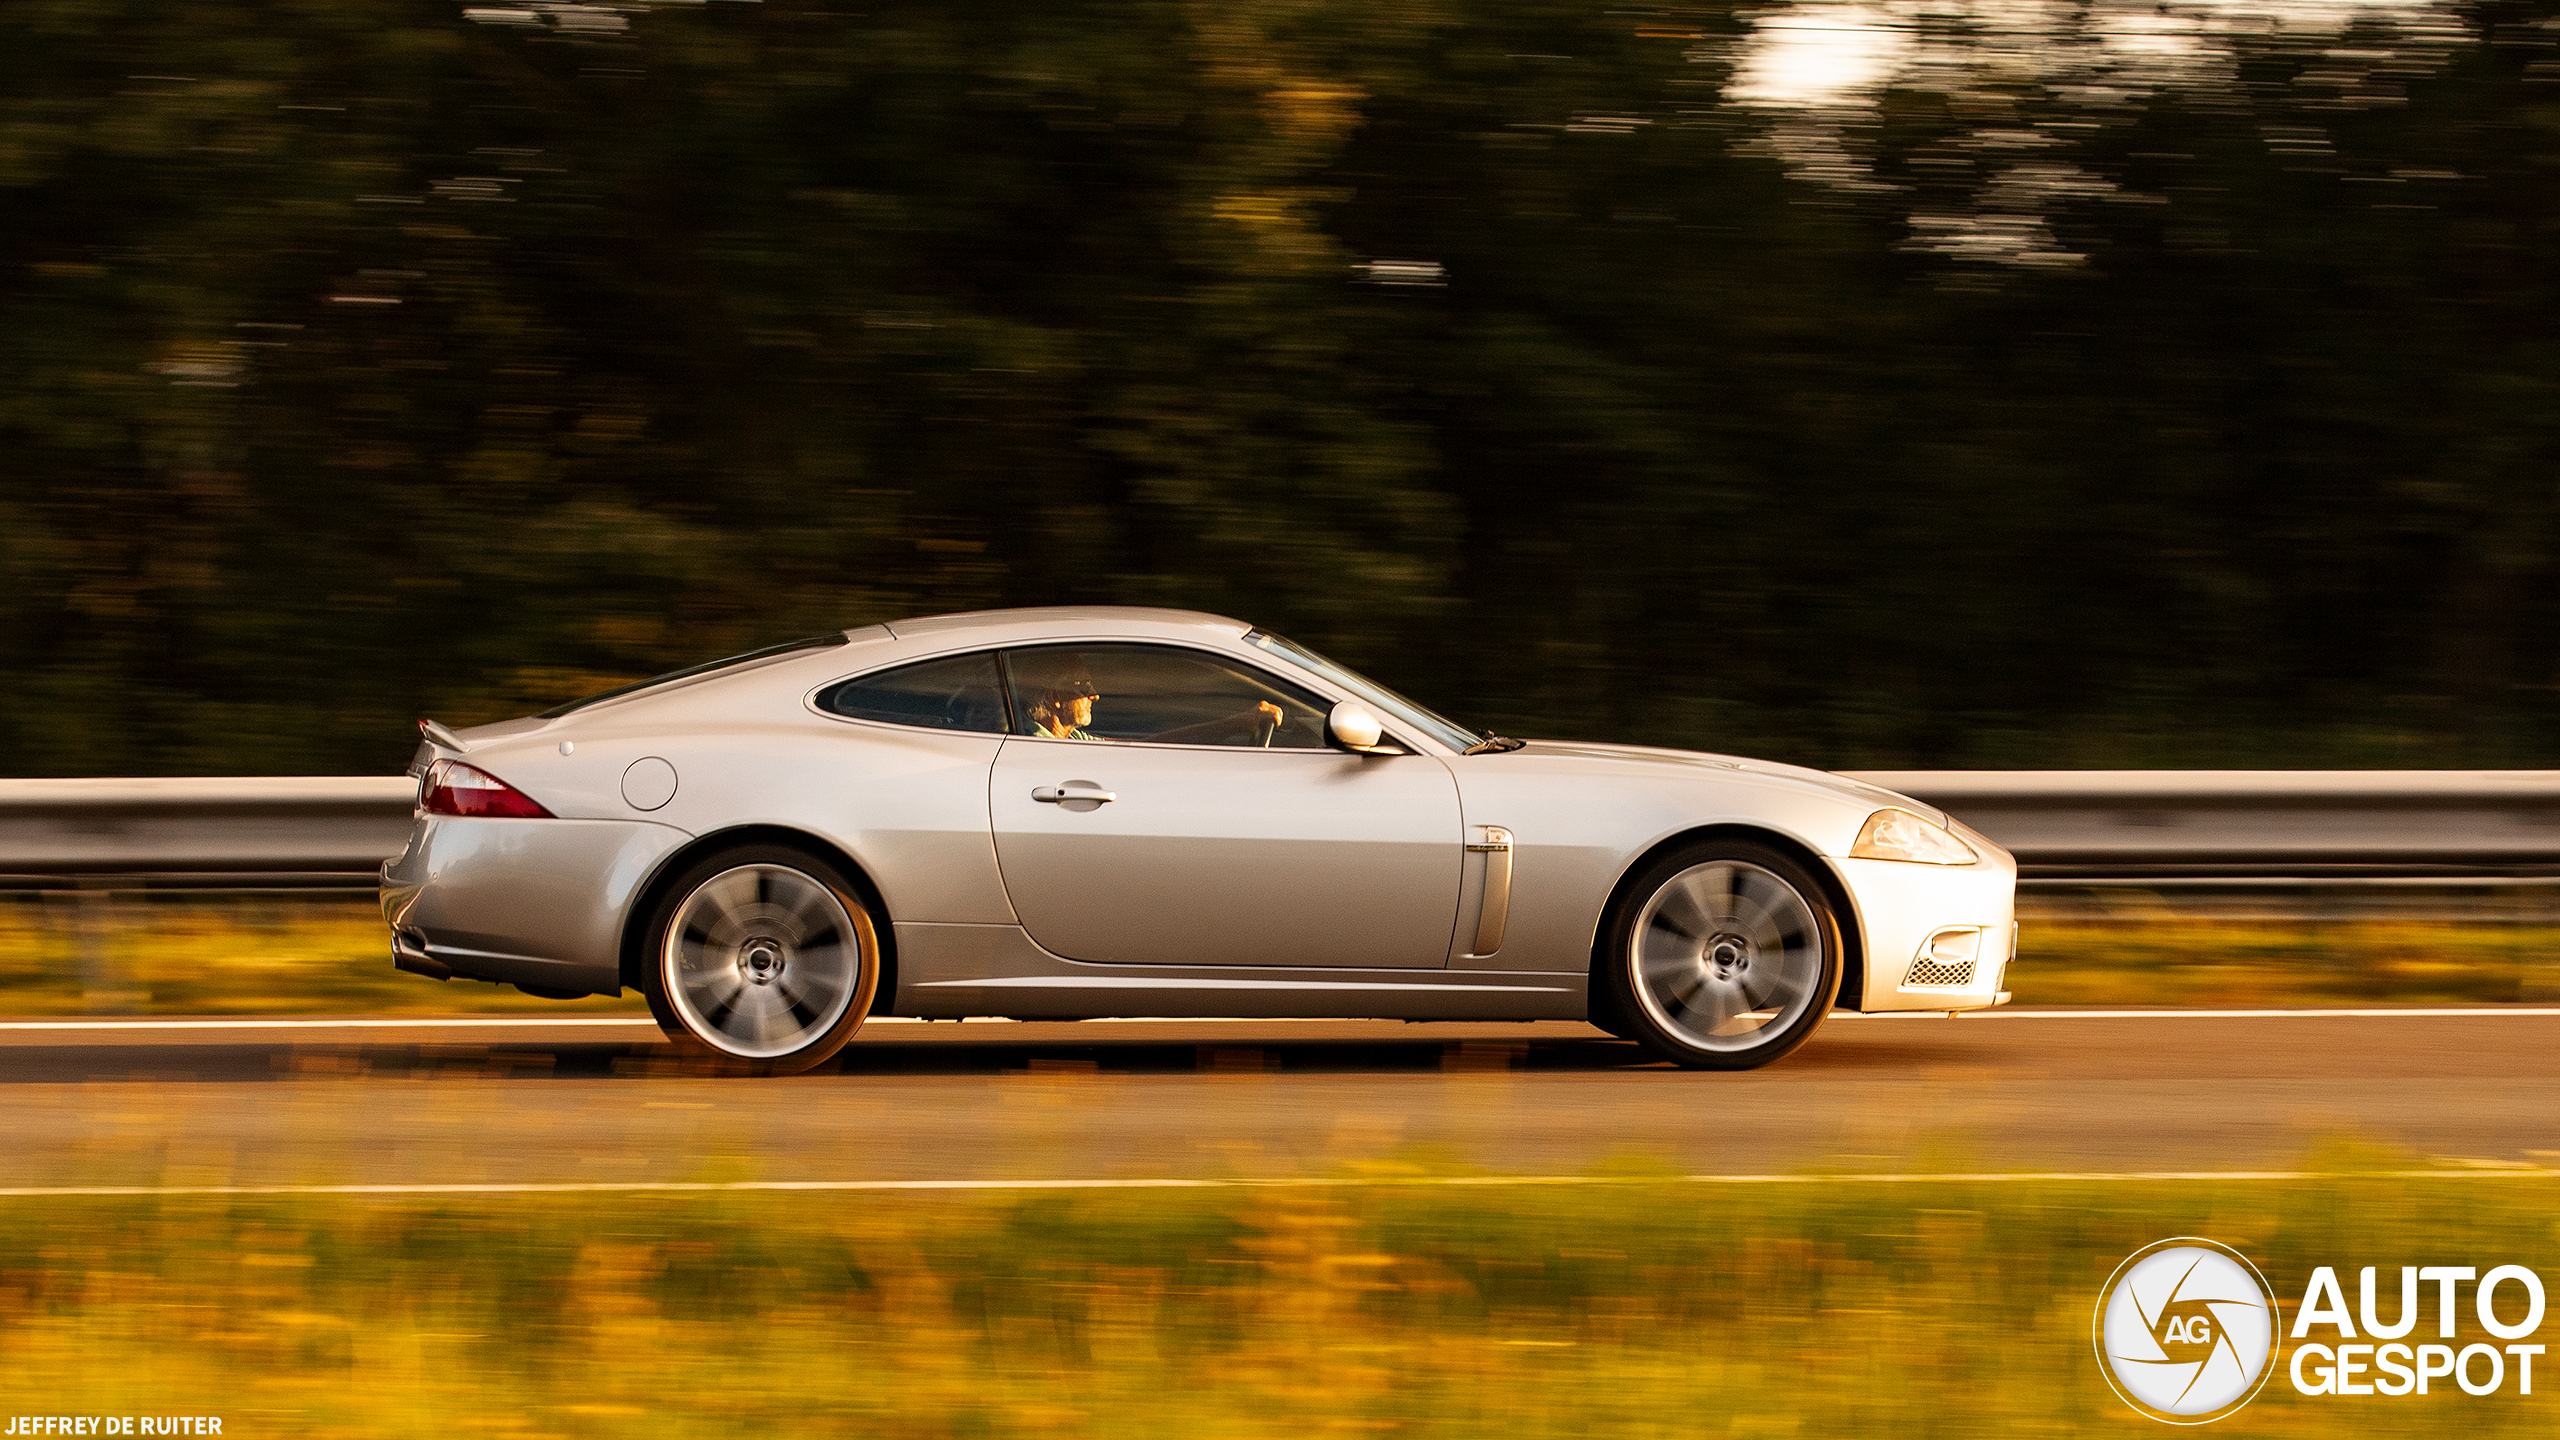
2257,825
289,831
2197,826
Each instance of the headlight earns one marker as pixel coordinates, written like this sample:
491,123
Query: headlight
1901,835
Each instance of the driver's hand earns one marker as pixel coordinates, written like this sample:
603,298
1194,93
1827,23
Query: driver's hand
1270,711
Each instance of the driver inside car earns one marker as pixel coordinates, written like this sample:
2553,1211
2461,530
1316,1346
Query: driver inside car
1063,695
1062,698
1253,725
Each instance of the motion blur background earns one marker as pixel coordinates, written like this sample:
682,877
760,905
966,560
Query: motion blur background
1972,383
1911,384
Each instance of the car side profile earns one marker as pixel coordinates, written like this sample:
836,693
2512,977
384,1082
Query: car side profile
1081,813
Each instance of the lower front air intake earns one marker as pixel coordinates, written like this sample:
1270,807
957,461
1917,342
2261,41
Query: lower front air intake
1946,960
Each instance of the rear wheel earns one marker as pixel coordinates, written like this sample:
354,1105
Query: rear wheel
762,958
1724,955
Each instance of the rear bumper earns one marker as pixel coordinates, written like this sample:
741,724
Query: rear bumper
539,903
409,952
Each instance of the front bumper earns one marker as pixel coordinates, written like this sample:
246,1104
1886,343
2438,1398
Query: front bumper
1937,937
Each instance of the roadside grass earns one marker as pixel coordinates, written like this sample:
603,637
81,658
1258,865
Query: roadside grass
322,954
178,954
2176,960
1648,1308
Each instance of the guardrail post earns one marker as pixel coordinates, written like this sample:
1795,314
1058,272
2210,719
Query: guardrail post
2540,982
91,917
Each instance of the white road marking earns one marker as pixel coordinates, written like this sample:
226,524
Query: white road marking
468,1022
44,1192
2005,1013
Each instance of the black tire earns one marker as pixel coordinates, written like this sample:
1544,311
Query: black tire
761,960
1721,955
1603,1012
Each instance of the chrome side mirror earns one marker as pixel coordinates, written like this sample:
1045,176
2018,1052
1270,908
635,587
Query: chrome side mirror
1352,726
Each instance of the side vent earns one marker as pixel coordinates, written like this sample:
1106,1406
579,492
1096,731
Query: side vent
1496,849
1946,960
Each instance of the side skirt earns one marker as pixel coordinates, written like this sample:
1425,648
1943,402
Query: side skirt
948,971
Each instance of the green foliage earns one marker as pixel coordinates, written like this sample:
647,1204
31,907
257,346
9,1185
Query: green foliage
359,360
1929,1309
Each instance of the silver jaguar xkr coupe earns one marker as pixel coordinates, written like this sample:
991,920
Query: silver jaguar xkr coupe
1071,813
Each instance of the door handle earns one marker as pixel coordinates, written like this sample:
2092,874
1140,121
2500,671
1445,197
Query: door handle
1082,793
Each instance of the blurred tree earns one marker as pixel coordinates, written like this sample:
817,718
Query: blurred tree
373,358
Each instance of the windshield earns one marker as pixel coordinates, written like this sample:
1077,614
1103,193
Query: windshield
1396,707
814,642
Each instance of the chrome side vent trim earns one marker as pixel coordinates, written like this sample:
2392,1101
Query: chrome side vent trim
1495,847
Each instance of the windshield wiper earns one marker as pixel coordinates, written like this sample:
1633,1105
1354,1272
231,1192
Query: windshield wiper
1493,744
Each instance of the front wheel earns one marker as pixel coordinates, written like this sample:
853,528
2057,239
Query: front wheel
761,958
1724,955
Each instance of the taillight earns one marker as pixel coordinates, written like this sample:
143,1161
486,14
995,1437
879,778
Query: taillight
453,788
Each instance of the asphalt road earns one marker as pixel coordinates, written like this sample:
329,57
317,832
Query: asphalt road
471,1102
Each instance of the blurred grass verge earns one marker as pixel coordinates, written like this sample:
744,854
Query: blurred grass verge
2216,962
328,954
268,954
1638,1309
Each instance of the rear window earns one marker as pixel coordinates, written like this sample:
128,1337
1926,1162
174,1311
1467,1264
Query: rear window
957,692
787,647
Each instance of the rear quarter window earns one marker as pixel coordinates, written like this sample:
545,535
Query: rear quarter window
957,692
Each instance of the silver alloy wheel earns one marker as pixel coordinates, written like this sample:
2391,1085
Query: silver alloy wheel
761,960
1726,956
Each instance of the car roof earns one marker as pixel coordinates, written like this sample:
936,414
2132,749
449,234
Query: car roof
899,641
1065,622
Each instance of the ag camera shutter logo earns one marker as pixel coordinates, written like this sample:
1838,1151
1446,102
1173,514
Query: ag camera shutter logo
2185,1331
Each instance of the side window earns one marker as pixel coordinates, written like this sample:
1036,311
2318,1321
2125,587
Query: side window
1158,693
958,692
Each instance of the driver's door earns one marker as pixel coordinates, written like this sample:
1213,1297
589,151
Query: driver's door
1231,836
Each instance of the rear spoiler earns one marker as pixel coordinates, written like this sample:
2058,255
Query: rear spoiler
438,742
440,736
